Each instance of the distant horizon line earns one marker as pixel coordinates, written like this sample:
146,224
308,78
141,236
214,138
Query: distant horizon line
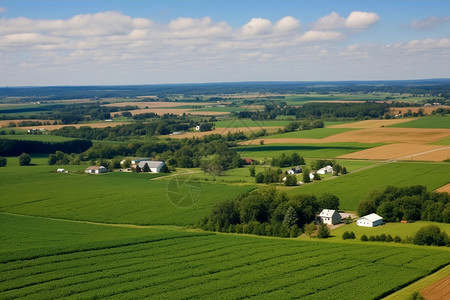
230,82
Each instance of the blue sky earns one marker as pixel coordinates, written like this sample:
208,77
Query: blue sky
139,42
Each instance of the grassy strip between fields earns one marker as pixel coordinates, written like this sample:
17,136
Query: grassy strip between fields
419,285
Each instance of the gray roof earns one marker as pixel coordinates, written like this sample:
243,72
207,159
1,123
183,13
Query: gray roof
151,163
327,213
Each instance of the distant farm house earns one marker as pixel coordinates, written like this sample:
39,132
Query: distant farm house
371,220
325,170
295,170
95,170
329,216
154,165
248,160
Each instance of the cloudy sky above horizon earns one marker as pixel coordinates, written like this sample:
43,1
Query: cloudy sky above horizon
148,42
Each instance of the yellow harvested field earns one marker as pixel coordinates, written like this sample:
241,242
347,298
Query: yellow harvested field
155,104
371,123
5,123
374,135
175,111
426,110
445,188
222,131
93,125
413,152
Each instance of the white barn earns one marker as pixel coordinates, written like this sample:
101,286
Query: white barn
371,220
325,170
96,170
154,165
329,216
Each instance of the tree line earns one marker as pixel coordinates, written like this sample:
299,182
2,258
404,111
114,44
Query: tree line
16,147
266,211
411,203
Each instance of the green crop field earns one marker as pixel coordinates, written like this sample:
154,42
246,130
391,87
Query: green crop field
318,133
155,263
445,141
426,122
238,123
401,229
325,150
36,137
134,198
354,187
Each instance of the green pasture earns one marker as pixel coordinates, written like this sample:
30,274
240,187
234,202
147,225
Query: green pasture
155,263
426,122
134,198
317,133
221,109
403,230
237,123
36,137
354,187
444,141
322,150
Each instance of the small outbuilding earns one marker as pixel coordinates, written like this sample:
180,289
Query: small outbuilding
371,220
329,216
295,170
95,170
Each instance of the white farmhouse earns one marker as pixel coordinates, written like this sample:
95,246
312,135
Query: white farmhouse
329,216
96,170
371,220
325,170
154,165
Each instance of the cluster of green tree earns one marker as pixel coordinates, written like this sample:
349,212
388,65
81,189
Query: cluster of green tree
430,235
304,125
407,203
381,238
3,161
285,160
61,158
269,176
265,211
327,110
348,235
24,159
15,147
441,111
125,131
212,153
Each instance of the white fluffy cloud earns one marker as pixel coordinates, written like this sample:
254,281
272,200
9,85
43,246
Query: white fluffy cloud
110,47
356,20
428,23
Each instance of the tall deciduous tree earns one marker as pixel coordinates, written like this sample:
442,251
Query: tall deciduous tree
24,159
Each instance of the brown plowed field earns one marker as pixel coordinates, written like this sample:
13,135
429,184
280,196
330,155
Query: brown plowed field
403,152
371,123
426,110
445,188
438,291
222,131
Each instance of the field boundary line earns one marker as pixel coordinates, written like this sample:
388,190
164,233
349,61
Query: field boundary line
120,225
